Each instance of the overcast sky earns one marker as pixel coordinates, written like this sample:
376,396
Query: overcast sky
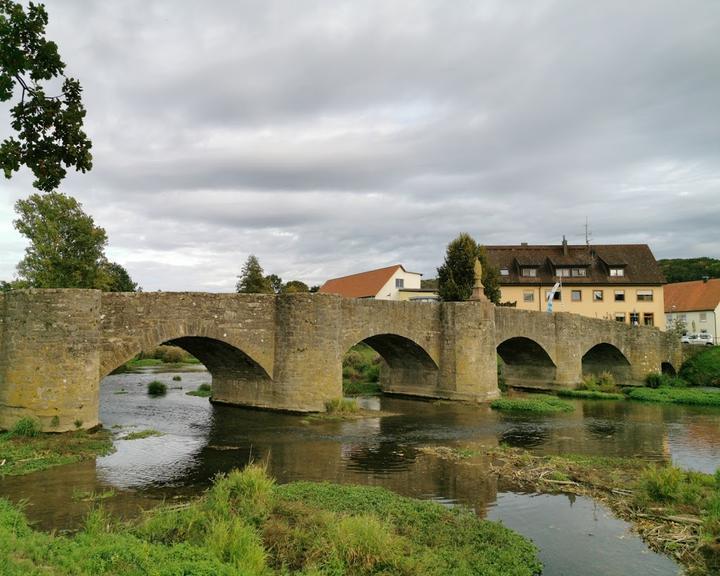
333,137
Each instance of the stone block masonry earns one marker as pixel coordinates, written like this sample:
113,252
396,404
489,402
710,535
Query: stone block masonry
285,352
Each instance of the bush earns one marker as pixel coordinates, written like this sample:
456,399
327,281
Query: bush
604,382
656,380
170,354
342,406
354,359
372,373
703,369
26,427
177,378
156,388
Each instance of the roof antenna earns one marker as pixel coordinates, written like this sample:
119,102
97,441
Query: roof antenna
588,234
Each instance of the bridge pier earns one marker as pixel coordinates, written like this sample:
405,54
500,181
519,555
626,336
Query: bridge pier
49,358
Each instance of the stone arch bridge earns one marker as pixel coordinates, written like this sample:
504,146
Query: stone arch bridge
285,352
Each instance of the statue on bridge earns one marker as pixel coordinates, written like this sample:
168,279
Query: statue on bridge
478,292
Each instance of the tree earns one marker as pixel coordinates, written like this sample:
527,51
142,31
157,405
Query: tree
66,248
252,279
49,129
118,279
295,286
685,269
456,277
275,282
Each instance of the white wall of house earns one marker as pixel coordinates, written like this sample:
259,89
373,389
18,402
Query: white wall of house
698,321
391,288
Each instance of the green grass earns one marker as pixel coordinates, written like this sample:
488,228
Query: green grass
142,434
156,388
676,396
23,454
143,363
246,525
703,369
340,406
360,388
26,427
204,391
545,404
591,394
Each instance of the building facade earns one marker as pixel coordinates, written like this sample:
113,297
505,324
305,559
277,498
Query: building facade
695,306
391,283
621,282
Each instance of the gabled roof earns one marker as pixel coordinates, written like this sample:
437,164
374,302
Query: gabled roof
639,264
361,285
692,296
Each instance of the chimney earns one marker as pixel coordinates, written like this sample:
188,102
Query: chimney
564,245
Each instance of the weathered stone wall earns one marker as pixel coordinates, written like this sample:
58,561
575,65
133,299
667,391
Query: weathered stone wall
50,358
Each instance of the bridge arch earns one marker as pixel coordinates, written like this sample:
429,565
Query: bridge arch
525,362
408,368
606,357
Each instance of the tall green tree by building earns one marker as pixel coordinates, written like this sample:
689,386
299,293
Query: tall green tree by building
49,127
252,278
456,277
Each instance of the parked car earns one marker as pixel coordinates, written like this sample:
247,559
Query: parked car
702,339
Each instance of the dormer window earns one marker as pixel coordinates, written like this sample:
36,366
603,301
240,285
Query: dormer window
504,272
617,271
579,272
528,272
562,272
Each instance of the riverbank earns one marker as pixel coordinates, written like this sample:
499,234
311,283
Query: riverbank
24,454
245,524
676,512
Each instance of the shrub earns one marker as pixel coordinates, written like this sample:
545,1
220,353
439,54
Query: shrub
654,380
589,382
156,388
372,373
170,354
703,369
354,359
341,406
177,378
26,427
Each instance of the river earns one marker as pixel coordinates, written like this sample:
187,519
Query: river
576,536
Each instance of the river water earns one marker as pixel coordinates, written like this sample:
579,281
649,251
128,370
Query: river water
576,536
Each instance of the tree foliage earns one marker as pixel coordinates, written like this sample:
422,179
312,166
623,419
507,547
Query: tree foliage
294,286
252,279
67,249
50,134
456,277
275,282
686,269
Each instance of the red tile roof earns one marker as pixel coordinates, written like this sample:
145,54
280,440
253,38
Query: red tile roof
692,296
361,285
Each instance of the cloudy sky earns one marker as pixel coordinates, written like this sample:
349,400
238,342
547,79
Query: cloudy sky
333,137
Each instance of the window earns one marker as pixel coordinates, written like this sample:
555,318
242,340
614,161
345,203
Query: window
528,296
644,295
620,316
562,272
703,316
529,272
682,318
635,318
556,297
504,272
399,283
579,272
648,319
617,271
598,297
619,295
576,295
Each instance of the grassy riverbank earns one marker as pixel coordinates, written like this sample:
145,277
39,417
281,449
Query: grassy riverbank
675,511
20,454
249,526
688,396
538,404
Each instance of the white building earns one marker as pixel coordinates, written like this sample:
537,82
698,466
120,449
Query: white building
391,283
696,305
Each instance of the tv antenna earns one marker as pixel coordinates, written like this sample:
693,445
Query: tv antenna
588,234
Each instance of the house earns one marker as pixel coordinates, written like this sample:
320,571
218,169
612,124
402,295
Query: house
620,282
696,305
391,283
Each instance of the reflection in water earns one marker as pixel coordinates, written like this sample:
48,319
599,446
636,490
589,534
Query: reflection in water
202,440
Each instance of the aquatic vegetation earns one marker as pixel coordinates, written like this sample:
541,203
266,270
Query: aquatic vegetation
340,406
676,396
591,394
245,524
142,434
603,382
156,388
544,404
204,391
